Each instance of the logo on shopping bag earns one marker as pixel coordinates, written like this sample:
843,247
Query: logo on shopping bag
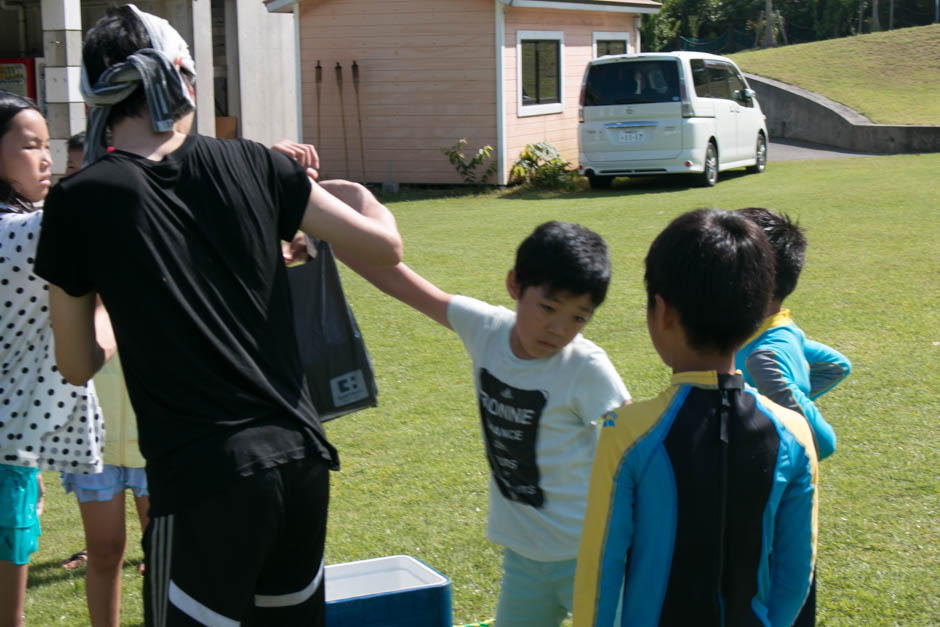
348,388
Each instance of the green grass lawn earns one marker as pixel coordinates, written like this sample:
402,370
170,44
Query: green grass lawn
414,476
892,77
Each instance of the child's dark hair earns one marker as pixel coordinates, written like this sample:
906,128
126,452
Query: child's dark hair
566,257
789,244
76,142
112,39
10,105
716,269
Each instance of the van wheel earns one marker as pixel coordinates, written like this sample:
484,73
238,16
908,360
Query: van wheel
600,182
760,156
709,175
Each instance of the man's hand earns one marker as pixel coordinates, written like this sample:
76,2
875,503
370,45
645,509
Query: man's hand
304,154
295,251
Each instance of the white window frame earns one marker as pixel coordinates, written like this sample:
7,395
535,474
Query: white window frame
541,109
602,36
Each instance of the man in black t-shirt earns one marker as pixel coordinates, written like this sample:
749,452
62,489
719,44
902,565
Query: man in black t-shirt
180,235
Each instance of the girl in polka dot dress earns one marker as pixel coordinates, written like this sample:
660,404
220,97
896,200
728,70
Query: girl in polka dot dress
45,423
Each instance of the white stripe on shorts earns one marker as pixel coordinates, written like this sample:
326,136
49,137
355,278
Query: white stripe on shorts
196,610
291,598
161,544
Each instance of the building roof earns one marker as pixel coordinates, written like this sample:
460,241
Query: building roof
616,6
597,5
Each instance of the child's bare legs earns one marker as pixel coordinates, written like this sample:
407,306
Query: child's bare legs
105,538
12,593
143,514
22,495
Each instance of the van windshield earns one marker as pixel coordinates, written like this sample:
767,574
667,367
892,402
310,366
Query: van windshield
632,82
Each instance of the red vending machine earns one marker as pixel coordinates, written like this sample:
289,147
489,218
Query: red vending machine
19,76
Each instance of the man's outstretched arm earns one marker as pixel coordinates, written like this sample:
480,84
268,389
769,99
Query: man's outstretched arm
398,280
340,213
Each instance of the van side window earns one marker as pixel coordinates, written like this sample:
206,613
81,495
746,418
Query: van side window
700,78
715,79
632,82
718,74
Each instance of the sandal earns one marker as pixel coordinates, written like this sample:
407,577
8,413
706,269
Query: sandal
75,560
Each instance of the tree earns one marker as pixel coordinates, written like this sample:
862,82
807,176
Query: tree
769,40
806,20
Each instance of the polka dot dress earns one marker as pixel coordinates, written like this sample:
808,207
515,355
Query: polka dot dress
44,421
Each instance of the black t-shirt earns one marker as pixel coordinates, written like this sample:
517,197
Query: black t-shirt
186,256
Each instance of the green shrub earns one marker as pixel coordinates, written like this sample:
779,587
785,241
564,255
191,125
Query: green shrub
539,165
468,169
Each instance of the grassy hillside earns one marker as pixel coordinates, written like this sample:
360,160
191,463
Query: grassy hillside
891,77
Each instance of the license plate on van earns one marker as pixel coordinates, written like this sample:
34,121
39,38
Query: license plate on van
633,137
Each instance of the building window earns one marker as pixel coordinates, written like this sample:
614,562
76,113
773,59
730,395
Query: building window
611,43
611,46
540,72
539,57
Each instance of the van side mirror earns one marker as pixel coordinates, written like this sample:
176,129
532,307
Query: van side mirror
745,96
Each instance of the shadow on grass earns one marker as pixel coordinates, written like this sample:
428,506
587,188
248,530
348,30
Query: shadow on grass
408,193
50,571
622,186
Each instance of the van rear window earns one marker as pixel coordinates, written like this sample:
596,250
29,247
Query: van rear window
632,82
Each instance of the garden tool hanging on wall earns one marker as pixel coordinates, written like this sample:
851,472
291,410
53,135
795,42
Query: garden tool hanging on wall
319,83
342,112
362,151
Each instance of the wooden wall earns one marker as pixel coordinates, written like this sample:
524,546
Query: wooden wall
427,78
558,129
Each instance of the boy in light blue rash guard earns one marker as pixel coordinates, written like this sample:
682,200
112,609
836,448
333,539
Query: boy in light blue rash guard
781,362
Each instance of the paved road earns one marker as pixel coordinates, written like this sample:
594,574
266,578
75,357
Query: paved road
788,150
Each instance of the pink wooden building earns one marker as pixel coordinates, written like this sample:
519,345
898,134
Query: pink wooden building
400,79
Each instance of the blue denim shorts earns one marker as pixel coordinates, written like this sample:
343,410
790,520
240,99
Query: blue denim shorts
103,486
19,524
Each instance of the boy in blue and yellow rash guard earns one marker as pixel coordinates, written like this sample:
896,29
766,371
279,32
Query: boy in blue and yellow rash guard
702,503
779,360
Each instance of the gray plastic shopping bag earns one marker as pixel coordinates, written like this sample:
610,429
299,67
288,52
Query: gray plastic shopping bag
334,356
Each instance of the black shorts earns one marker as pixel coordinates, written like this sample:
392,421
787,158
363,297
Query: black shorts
250,553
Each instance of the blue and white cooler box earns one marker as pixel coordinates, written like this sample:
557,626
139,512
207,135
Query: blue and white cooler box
394,591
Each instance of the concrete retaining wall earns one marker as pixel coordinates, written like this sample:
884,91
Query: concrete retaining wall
794,113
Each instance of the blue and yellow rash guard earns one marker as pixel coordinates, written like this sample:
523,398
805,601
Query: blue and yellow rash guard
793,371
701,510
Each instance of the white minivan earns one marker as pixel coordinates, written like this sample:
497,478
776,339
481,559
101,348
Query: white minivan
669,112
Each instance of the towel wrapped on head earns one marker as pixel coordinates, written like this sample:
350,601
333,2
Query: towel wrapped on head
154,68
